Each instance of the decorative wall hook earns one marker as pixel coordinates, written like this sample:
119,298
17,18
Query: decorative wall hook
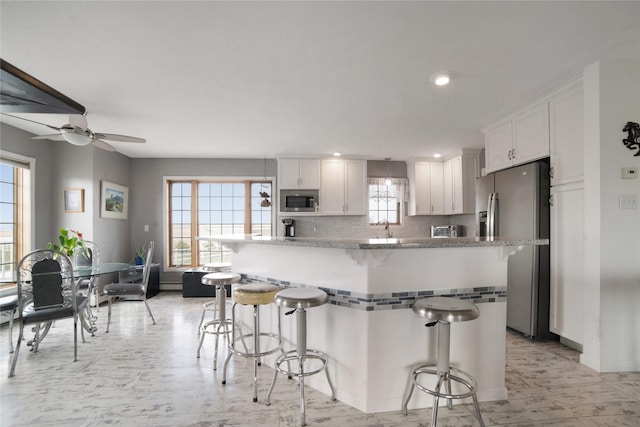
631,142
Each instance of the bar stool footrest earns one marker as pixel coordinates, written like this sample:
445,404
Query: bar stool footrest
461,377
276,337
292,355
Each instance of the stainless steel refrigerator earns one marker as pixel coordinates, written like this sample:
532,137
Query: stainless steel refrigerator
514,203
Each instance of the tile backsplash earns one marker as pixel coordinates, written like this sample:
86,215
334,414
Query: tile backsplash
358,227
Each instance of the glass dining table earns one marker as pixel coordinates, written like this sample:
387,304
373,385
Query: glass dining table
80,274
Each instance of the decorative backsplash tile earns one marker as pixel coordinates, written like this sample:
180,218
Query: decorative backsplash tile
392,300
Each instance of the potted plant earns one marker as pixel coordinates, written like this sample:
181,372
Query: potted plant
141,251
70,242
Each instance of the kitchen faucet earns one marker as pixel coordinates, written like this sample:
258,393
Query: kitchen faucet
386,227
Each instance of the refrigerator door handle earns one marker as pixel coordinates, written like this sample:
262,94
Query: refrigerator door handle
491,215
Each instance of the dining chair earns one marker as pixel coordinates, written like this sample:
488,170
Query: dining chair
137,289
9,304
88,256
47,291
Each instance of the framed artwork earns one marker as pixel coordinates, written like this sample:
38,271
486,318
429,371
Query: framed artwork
114,201
73,200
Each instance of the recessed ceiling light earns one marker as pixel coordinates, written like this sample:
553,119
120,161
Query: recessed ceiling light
436,155
441,79
337,154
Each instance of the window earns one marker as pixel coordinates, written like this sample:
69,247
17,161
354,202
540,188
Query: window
204,208
386,200
15,213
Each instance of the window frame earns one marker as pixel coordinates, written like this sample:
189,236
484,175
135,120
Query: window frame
26,220
195,180
399,200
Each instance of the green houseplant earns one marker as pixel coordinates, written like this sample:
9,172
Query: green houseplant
70,242
141,251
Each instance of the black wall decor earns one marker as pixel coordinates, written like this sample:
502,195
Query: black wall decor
631,142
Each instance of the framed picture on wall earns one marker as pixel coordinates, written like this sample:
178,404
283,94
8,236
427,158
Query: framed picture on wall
73,200
114,201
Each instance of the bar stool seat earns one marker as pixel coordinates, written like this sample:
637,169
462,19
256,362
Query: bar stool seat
299,299
255,294
219,325
441,311
212,305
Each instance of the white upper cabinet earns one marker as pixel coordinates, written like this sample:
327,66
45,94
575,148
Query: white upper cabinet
498,146
344,187
299,173
460,174
443,188
566,122
426,188
521,139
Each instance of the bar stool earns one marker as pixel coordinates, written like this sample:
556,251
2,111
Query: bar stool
255,294
441,311
218,326
300,299
212,305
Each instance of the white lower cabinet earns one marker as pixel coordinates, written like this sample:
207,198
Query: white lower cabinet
344,187
567,261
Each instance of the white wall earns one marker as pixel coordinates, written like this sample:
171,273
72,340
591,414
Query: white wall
612,235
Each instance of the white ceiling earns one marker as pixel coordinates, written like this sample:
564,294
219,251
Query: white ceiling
255,79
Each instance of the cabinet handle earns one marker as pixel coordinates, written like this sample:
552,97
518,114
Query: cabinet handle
551,172
509,154
513,154
551,200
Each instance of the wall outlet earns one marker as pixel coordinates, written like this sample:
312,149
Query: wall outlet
146,227
628,201
629,173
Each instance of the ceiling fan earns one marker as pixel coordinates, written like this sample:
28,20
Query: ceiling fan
76,132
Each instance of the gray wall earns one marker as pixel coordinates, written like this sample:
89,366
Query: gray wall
60,165
147,191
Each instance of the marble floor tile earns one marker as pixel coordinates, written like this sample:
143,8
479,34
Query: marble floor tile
140,374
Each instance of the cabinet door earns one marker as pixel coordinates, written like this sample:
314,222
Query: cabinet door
288,173
498,145
453,190
566,123
436,188
355,198
566,302
421,193
310,173
448,187
332,189
531,134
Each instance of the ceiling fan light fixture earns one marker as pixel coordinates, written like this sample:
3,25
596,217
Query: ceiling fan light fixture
441,78
76,138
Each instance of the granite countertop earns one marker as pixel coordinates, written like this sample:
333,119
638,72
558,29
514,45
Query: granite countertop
377,243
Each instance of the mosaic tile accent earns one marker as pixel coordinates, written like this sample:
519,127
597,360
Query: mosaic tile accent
392,300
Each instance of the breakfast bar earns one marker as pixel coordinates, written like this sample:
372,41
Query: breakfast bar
368,329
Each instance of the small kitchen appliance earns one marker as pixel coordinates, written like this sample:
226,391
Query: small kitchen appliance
444,231
289,227
299,201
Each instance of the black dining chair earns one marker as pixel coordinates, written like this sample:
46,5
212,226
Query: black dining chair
47,292
9,304
136,289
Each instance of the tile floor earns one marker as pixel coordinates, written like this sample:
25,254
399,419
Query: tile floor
141,374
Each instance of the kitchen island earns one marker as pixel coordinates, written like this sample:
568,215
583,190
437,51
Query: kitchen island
368,329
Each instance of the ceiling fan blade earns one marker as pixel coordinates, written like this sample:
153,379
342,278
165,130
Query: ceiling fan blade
52,137
121,138
77,120
32,121
101,144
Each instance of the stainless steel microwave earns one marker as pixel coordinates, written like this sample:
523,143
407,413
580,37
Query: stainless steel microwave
299,200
